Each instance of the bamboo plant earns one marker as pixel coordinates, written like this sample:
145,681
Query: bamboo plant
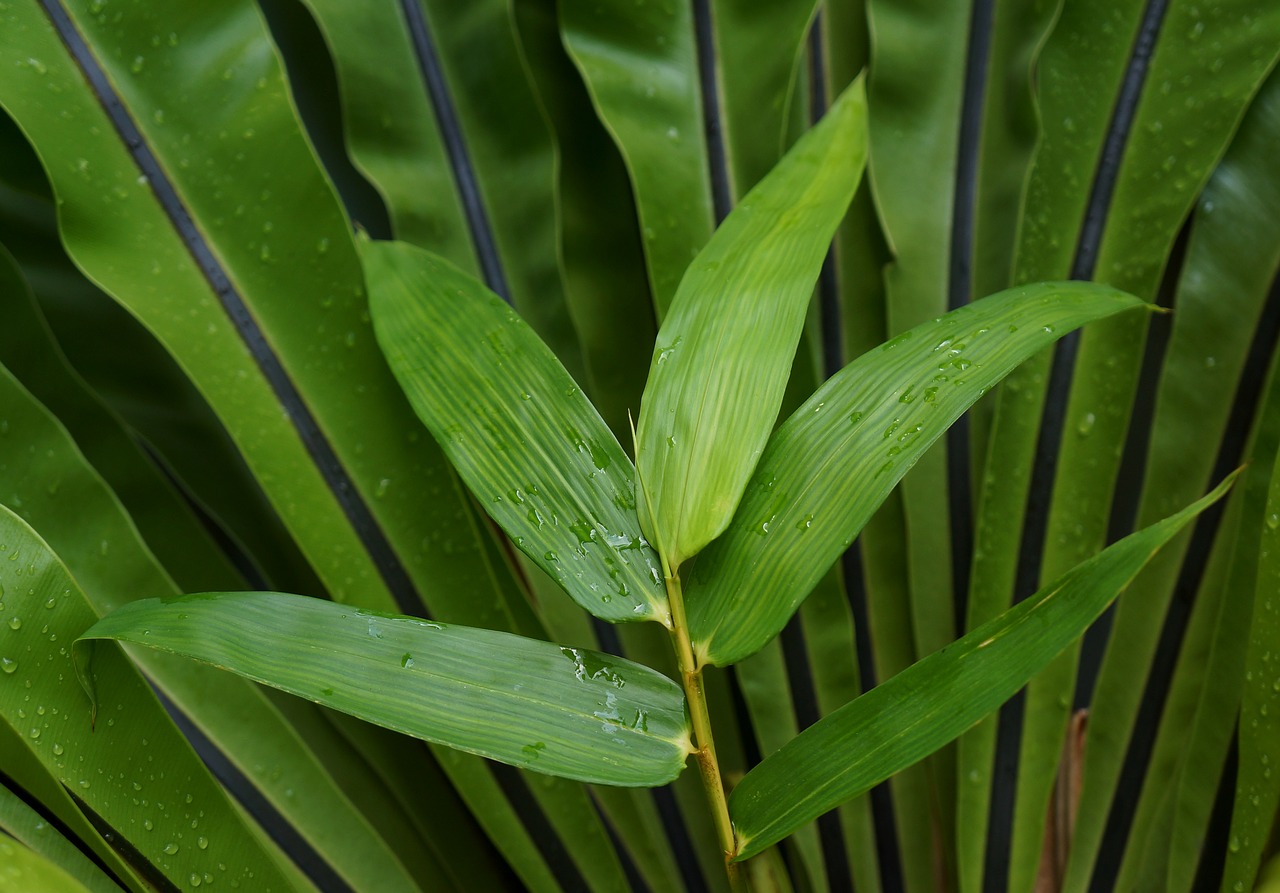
243,248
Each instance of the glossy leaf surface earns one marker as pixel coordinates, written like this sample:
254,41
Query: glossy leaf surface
518,429
724,352
134,743
922,708
561,711
831,464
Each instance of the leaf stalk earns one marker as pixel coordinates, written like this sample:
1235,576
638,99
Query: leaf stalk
708,765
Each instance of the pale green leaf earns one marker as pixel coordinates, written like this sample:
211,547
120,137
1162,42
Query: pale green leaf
933,701
522,435
26,871
830,465
725,350
561,711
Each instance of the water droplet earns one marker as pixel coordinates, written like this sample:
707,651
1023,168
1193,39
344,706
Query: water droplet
138,63
406,661
194,880
381,491
855,417
551,556
1234,845
805,523
8,665
148,824
57,750
15,623
1087,421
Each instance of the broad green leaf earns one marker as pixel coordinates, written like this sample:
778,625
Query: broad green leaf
30,829
1232,259
725,350
134,770
640,65
26,871
105,555
560,711
520,432
830,465
497,217
911,715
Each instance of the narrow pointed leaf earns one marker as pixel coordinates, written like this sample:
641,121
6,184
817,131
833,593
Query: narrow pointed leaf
560,711
521,433
831,464
725,350
932,702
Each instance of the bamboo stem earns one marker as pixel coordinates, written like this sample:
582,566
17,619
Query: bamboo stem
708,765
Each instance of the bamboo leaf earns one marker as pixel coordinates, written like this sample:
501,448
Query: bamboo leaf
518,429
929,704
724,352
560,711
835,460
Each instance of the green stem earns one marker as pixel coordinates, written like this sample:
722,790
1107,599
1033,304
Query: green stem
708,765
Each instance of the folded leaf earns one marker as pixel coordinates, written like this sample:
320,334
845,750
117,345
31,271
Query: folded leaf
830,465
521,433
725,350
930,703
561,711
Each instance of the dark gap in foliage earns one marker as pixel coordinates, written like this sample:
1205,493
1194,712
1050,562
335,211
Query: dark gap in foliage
1004,783
1044,468
795,652
888,856
317,445
228,545
1244,408
39,807
1104,182
960,291
541,832
750,746
1124,507
1133,463
678,837
314,87
278,828
635,881
464,175
142,866
717,157
1213,850
607,636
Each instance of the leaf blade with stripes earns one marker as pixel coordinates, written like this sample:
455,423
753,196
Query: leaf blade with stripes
518,429
560,711
834,461
932,702
725,350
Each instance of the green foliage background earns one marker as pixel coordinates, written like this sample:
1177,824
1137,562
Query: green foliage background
576,156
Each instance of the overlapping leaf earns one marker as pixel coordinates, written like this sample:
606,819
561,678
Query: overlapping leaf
922,708
830,465
562,711
523,436
724,352
134,771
